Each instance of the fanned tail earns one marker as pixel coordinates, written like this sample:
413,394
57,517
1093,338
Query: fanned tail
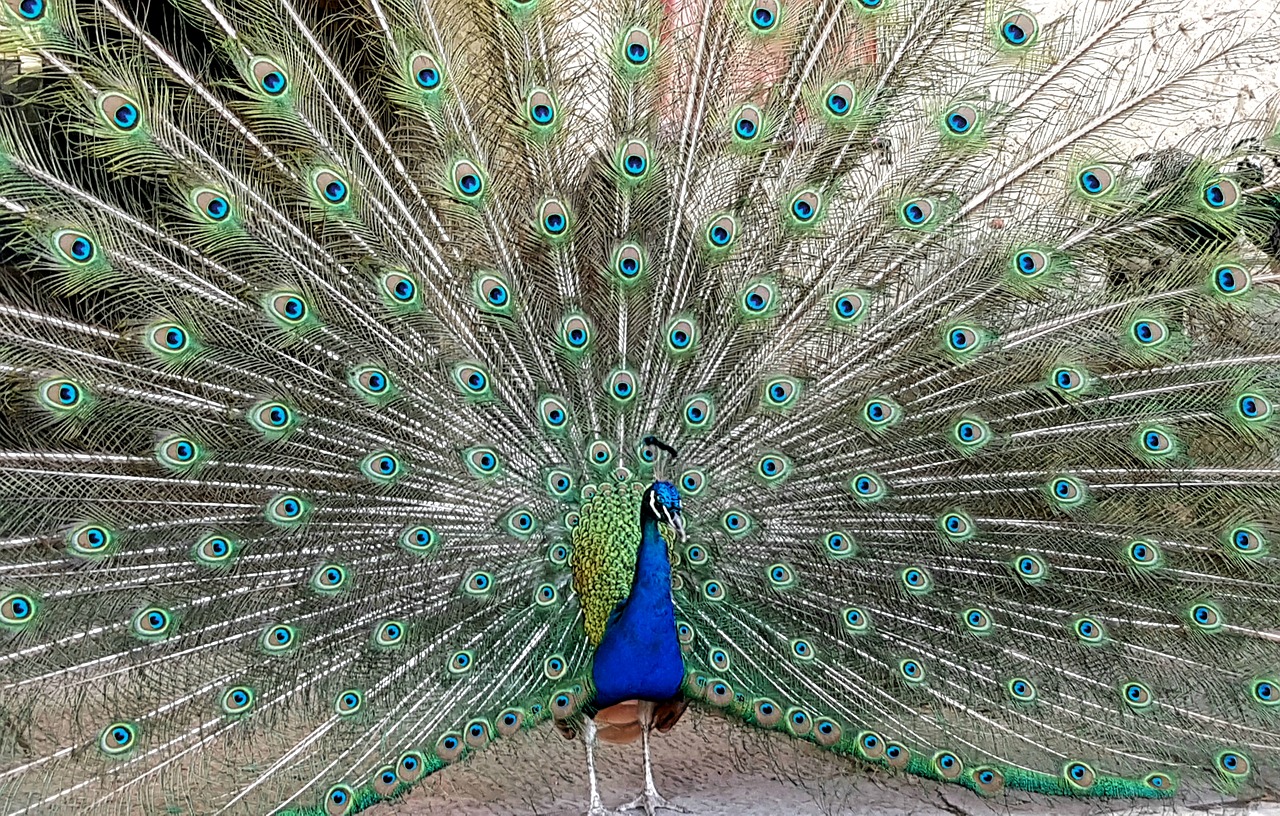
316,327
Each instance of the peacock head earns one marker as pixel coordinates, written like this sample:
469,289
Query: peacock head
662,502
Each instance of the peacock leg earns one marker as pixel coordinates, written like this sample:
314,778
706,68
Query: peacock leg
650,800
596,807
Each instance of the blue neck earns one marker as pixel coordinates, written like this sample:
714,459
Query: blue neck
652,584
639,657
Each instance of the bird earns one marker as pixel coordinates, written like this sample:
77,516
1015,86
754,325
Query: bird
384,379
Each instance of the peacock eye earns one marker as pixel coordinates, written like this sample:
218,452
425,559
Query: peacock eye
961,119
692,482
400,287
212,205
1231,280
628,262
426,72
1018,29
698,412
721,232
270,77
28,9
75,246
600,453
553,216
918,212
1221,194
763,15
805,206
467,180
839,99
348,702
1031,263
637,47
332,187
121,112
848,307
1068,379
746,123
1095,181
962,339
541,108
634,160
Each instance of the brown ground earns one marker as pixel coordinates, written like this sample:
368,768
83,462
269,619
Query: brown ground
712,768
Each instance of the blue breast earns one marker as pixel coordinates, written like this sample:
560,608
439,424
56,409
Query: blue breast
639,657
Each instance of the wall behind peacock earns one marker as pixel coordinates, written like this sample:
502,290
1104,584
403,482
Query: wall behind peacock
712,768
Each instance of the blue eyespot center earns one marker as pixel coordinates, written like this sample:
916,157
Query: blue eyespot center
1226,279
126,116
273,83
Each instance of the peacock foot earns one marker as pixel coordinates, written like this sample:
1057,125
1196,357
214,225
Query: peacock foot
651,801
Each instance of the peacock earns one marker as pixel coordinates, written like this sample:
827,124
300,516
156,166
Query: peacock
383,379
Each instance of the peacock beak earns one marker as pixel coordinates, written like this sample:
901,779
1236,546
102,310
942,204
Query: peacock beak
677,522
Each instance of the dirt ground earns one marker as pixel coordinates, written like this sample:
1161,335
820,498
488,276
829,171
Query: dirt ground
713,768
